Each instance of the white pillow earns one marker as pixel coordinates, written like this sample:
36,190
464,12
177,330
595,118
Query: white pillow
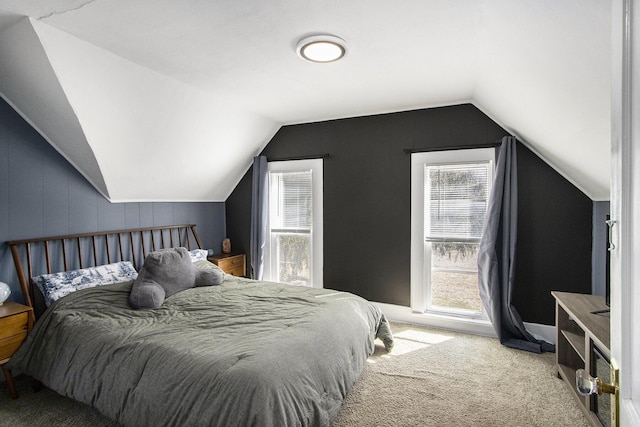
56,285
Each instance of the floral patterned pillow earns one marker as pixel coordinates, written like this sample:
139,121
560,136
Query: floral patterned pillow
56,285
198,254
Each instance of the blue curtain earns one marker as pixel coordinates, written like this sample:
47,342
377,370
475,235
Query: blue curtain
497,255
259,217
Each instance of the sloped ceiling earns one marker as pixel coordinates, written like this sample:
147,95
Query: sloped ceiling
162,100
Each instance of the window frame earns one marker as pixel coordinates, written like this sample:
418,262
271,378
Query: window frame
420,250
316,167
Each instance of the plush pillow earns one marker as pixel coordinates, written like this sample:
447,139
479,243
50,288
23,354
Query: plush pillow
198,254
56,285
172,269
208,277
208,274
146,294
207,265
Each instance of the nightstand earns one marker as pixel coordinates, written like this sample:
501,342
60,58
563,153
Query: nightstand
234,264
16,321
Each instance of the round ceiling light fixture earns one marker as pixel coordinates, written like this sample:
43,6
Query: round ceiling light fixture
321,48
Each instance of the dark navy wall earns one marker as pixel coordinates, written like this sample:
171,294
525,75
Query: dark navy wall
41,194
367,205
554,243
600,279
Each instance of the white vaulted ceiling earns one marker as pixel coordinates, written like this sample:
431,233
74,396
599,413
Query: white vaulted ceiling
170,100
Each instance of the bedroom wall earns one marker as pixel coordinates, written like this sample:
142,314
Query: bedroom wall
600,274
41,194
367,205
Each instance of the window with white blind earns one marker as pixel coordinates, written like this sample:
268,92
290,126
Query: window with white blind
293,253
450,193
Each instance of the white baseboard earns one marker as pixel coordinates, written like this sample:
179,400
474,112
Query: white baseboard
404,314
542,332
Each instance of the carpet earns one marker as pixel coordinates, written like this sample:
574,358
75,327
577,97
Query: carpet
432,378
440,378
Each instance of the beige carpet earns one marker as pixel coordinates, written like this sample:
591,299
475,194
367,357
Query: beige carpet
440,378
432,378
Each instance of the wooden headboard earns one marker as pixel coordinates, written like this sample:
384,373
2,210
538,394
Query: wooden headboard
46,255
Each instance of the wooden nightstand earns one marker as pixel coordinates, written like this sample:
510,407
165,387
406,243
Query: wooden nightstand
16,321
235,264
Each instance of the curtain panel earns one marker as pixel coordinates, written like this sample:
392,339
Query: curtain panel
497,255
259,217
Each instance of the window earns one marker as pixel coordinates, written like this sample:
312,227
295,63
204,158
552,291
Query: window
450,192
293,253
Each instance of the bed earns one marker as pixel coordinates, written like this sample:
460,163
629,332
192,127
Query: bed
235,354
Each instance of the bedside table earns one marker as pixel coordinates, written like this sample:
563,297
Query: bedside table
16,321
234,264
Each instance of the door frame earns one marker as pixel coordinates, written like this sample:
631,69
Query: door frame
625,205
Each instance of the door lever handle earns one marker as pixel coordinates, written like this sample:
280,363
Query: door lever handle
611,223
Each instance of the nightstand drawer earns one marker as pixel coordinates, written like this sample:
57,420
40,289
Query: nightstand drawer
16,321
8,346
13,325
234,264
230,263
238,271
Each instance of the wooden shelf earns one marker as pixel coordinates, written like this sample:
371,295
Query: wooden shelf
578,331
577,342
568,374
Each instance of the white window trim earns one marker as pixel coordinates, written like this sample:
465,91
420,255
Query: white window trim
317,259
419,271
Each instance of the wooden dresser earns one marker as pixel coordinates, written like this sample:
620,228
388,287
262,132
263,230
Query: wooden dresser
234,264
16,321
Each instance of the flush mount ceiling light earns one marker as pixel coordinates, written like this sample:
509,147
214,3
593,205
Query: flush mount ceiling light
321,48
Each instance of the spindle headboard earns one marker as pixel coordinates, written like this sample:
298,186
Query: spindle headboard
46,255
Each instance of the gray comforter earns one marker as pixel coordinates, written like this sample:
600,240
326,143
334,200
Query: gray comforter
243,353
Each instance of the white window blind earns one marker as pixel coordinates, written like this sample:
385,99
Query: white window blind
293,202
456,198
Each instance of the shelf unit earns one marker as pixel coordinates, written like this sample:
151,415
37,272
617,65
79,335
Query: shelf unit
578,332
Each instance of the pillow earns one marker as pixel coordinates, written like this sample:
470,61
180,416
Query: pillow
171,269
146,294
207,265
198,254
208,277
208,274
56,285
